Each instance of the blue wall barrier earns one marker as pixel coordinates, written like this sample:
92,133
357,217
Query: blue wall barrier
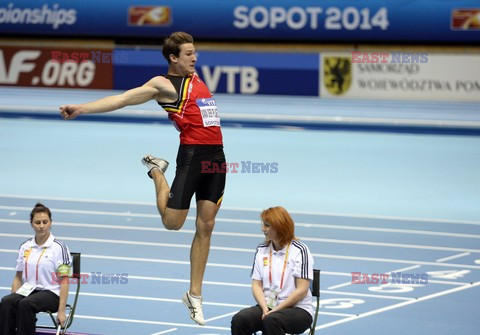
228,72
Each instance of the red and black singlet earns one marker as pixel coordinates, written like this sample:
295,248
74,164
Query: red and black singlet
195,112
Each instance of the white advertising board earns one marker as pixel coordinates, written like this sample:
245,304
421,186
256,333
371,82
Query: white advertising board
400,76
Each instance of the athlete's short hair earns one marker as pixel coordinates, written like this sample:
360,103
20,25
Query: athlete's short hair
40,208
171,45
280,220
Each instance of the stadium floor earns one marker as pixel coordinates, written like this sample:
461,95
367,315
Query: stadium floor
364,200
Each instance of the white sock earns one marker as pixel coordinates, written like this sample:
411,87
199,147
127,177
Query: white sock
194,296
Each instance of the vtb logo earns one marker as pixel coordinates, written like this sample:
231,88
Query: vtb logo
337,74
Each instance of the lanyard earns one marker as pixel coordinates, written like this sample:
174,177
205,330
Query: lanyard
38,262
284,265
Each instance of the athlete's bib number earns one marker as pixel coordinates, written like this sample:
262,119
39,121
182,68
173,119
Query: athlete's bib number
209,112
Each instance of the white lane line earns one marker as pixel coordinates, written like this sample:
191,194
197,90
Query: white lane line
131,297
175,280
452,257
126,242
90,212
166,300
143,298
322,313
401,304
258,210
221,316
166,331
334,287
387,230
399,261
101,201
366,295
336,314
172,324
310,239
6,268
356,258
208,282
219,219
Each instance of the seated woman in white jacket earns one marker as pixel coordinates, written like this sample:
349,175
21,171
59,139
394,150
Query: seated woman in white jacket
37,286
281,276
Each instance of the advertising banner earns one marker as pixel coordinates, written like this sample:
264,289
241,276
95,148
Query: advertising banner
400,76
228,72
134,67
56,67
452,21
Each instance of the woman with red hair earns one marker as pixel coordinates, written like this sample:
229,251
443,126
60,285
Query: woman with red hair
281,275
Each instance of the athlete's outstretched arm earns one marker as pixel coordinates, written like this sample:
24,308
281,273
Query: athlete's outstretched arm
155,88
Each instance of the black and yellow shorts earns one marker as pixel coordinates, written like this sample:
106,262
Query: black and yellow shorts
198,171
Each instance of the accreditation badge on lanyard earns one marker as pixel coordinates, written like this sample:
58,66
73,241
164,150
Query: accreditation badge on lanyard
27,287
272,296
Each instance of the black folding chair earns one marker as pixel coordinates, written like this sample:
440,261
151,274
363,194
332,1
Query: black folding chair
70,307
315,293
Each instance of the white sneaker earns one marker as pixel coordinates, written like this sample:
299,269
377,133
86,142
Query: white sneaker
154,163
195,307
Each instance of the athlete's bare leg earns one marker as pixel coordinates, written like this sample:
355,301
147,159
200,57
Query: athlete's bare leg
206,212
173,219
